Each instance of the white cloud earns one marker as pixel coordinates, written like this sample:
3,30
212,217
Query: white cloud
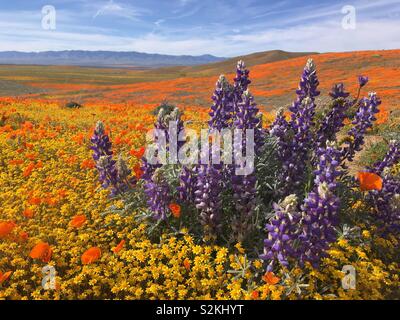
114,9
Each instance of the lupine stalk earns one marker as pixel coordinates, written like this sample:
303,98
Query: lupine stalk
387,200
293,148
109,175
320,209
222,109
333,122
187,187
158,196
364,119
282,230
208,199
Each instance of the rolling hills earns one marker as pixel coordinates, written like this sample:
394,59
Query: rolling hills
274,75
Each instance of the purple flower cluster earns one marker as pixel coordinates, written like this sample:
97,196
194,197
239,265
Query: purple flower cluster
333,122
221,114
187,186
208,198
295,137
363,120
305,237
387,200
158,196
112,174
321,209
156,189
283,231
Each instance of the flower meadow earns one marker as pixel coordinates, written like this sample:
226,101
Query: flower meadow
77,194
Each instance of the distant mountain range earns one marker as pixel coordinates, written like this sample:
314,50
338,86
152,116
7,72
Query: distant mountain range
104,59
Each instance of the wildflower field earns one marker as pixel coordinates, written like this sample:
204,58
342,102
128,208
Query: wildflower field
318,218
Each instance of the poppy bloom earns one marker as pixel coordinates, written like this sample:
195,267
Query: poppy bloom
270,278
119,247
138,153
28,213
255,294
42,251
369,181
78,221
6,228
4,276
138,171
28,170
175,209
186,264
23,236
91,255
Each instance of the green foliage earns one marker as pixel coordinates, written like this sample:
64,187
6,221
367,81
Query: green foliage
374,153
168,108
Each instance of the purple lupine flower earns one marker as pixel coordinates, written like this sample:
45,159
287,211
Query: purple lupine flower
248,117
187,184
391,158
321,209
333,122
158,196
299,145
244,186
295,138
109,174
147,168
338,91
307,87
101,144
208,198
282,230
363,120
222,109
387,200
241,83
362,80
164,121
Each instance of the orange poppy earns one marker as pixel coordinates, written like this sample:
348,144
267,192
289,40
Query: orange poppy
16,162
138,171
6,228
5,276
175,209
28,213
369,181
91,255
119,247
23,236
34,201
28,170
255,294
186,264
42,251
270,278
87,164
138,153
78,221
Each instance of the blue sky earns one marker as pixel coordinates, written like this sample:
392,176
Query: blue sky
222,28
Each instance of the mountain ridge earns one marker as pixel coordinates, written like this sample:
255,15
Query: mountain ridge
104,58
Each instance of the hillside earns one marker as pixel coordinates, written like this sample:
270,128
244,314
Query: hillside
274,75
